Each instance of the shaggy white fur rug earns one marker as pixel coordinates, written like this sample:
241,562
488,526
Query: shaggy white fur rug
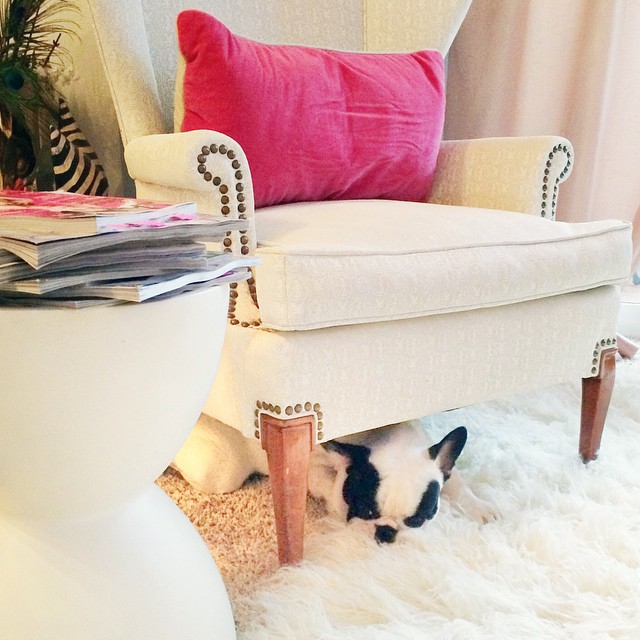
561,562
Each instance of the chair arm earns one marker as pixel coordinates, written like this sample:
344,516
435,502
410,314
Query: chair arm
208,165
210,169
515,174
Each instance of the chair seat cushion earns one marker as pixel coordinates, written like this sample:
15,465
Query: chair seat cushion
347,262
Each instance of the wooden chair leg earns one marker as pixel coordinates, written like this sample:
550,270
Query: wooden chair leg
596,394
288,445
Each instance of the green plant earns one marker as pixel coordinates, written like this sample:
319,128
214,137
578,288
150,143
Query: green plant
31,51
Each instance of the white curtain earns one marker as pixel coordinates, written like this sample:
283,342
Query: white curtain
567,67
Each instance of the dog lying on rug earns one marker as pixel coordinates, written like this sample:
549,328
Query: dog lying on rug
392,478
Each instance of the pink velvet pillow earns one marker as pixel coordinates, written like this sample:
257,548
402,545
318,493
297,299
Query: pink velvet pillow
316,124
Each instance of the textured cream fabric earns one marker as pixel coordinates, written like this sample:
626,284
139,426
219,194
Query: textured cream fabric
516,174
410,25
362,376
345,262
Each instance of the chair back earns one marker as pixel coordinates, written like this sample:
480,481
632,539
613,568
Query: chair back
126,55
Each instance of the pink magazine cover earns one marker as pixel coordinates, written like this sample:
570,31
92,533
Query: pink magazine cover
64,214
58,204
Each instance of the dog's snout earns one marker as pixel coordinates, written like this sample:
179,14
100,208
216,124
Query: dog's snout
385,533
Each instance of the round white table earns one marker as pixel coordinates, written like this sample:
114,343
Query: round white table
94,404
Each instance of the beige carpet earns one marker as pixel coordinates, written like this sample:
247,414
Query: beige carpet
561,563
237,527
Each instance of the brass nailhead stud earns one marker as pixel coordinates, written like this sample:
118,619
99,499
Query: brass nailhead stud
222,148
205,150
307,406
289,410
298,408
213,148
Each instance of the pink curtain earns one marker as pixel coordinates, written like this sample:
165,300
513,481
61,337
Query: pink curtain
569,67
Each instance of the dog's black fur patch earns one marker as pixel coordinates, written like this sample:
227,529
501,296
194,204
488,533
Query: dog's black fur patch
449,448
361,485
427,508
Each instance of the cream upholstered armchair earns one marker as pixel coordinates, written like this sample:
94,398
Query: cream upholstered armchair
368,309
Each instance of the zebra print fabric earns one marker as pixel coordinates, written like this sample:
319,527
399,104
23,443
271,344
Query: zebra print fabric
76,166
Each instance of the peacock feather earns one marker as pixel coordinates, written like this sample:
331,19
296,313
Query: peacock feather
30,47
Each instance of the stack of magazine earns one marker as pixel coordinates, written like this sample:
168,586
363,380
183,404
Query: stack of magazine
65,249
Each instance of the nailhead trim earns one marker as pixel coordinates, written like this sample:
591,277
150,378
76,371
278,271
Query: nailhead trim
233,297
546,209
216,181
605,343
290,411
227,203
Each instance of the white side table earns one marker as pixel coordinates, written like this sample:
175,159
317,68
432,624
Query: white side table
94,403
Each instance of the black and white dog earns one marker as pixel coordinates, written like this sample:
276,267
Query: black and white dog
393,477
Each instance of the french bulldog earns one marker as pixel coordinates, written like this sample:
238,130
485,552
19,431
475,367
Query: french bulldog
392,478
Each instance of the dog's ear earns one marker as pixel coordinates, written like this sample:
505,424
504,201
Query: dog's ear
446,452
355,452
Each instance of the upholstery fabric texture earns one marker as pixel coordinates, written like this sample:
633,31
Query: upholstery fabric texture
367,375
333,263
315,124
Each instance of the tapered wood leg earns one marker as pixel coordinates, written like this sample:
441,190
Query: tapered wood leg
596,394
288,445
626,348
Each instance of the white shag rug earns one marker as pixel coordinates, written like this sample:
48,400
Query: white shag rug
562,561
